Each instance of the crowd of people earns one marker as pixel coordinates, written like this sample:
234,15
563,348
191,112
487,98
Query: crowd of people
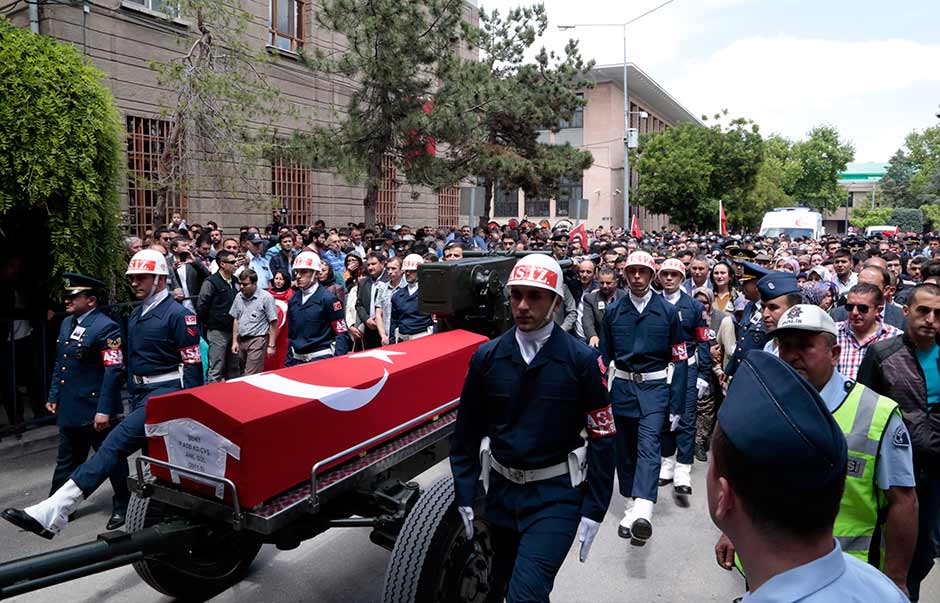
670,316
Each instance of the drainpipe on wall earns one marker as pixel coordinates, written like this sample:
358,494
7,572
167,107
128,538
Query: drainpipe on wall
33,8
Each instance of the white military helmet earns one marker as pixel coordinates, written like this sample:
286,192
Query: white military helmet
307,260
673,264
642,258
148,261
412,261
538,270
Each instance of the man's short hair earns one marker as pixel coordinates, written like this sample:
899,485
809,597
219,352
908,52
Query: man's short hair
379,256
607,271
930,270
928,288
843,253
776,506
394,260
175,242
885,275
248,274
868,289
285,234
223,255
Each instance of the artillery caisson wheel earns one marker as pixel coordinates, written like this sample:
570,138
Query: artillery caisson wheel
432,561
197,573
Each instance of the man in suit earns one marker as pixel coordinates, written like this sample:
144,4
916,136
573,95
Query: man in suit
597,301
367,296
86,385
189,274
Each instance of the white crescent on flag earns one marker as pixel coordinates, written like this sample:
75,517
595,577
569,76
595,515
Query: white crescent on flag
338,398
282,306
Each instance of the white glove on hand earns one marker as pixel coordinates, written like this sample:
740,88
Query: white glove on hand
586,533
466,514
703,387
674,422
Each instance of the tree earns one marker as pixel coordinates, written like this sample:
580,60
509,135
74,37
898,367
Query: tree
822,158
60,150
896,184
862,217
924,152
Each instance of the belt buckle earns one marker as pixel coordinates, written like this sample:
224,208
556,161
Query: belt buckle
638,377
518,475
138,380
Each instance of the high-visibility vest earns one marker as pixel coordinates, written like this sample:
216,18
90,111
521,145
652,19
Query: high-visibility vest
863,417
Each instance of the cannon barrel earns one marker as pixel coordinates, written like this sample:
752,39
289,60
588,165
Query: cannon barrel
110,550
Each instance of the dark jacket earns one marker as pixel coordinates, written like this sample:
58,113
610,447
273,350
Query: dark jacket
364,298
593,312
214,301
891,368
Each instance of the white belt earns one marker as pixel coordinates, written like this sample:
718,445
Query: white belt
161,378
312,355
524,476
399,336
616,373
693,360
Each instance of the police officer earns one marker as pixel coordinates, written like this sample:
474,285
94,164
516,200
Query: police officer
679,446
86,382
641,340
407,321
162,357
316,321
877,520
775,483
528,397
751,334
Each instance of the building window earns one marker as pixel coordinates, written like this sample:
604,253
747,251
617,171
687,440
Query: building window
506,203
386,207
577,118
146,142
286,24
566,204
167,7
448,207
537,207
291,188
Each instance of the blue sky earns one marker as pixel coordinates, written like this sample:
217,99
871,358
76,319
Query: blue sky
872,69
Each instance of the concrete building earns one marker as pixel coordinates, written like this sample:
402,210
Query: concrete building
598,128
860,182
123,38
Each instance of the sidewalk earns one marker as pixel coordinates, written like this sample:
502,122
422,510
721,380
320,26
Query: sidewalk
29,442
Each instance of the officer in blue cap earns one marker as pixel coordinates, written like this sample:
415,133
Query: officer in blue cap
778,292
775,483
86,386
750,329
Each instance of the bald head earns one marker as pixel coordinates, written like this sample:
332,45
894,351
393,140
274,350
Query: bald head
875,275
586,271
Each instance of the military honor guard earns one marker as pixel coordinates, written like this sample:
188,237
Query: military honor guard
643,344
162,356
750,331
407,321
316,320
529,399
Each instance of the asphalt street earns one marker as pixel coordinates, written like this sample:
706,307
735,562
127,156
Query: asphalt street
343,566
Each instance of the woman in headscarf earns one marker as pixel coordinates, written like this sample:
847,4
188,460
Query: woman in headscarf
819,293
281,291
327,279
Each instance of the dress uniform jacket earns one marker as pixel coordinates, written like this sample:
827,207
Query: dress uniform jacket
534,415
316,324
405,314
751,335
645,343
695,332
88,370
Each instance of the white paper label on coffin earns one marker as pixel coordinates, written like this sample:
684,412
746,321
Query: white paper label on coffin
191,444
337,398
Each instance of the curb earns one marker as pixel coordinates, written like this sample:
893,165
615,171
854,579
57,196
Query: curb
32,441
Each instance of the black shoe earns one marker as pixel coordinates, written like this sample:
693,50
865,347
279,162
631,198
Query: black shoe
700,454
640,532
683,490
23,521
664,482
623,532
116,521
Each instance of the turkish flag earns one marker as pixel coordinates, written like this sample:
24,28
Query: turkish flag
635,228
723,219
578,236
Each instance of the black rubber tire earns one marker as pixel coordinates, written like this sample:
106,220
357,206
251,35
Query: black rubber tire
193,575
431,550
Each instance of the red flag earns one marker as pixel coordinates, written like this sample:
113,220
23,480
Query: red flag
635,228
723,219
579,237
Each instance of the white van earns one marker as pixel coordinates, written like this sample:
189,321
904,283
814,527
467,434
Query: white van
793,222
885,230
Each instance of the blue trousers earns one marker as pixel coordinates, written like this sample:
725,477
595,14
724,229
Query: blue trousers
74,445
532,527
124,440
638,445
682,441
928,531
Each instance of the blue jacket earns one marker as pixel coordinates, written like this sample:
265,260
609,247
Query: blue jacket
695,332
405,314
88,370
751,335
645,343
159,341
316,324
534,415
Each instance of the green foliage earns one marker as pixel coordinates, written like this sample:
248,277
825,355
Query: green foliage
896,184
862,217
931,216
60,149
822,158
907,219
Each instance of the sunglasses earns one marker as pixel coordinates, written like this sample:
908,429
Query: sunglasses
862,308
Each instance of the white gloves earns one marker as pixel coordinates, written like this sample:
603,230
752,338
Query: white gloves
703,387
674,422
586,533
466,514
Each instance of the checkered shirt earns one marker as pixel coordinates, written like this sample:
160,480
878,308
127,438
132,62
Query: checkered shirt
853,350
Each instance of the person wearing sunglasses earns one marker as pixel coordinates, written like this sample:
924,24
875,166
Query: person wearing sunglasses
864,326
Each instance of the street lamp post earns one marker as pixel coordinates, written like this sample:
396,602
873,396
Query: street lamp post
626,104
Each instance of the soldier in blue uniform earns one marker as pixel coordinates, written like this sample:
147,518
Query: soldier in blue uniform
86,387
679,445
642,341
528,397
162,357
316,321
751,334
408,322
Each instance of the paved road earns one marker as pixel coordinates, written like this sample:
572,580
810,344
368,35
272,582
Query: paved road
343,566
